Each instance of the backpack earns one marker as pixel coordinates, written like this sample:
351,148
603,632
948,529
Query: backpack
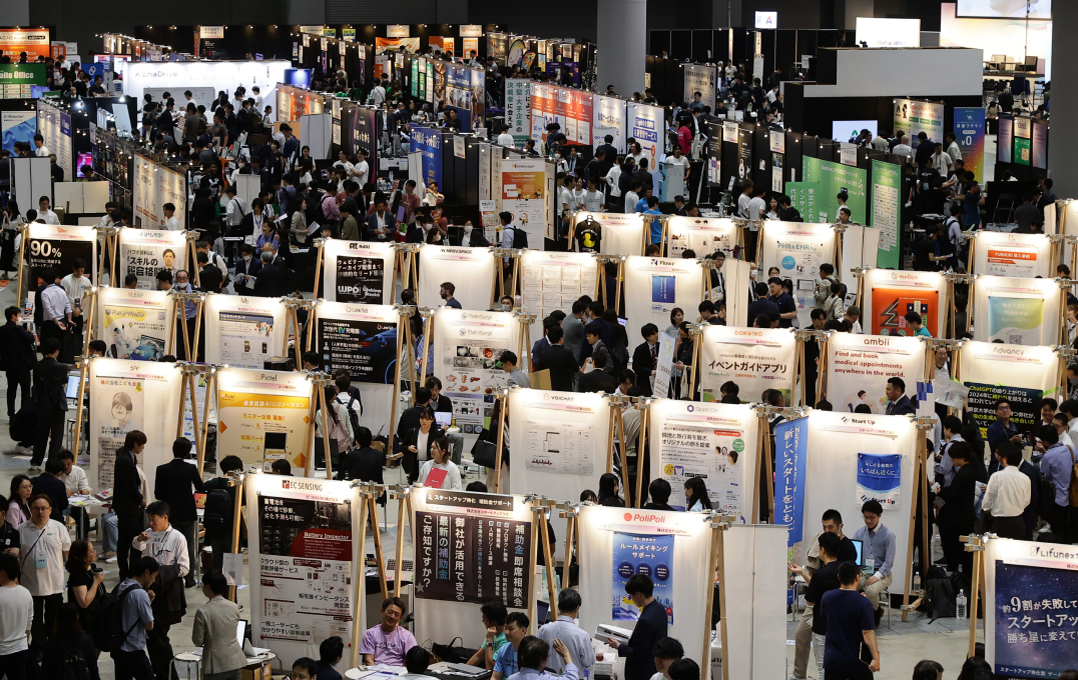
73,667
520,238
353,413
219,508
110,636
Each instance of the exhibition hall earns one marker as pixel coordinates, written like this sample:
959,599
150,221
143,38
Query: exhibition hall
605,340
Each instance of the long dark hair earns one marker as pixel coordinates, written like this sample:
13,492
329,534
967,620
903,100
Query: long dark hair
76,557
608,488
67,623
331,395
699,492
16,482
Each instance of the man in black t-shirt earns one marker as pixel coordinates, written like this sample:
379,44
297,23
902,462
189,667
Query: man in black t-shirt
924,252
929,190
824,579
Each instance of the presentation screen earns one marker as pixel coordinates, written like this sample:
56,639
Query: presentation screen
1005,9
845,130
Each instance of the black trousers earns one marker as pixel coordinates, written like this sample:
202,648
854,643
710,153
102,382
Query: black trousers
132,665
1062,522
18,379
159,648
1010,527
45,609
127,528
48,424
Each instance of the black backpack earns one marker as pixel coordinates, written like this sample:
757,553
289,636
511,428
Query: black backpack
520,238
219,509
111,635
73,667
353,414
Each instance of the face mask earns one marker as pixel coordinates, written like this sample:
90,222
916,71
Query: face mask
506,308
246,258
467,228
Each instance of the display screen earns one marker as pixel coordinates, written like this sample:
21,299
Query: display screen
767,20
1005,9
847,130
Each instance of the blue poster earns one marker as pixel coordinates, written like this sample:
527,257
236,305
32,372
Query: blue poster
460,95
643,554
879,477
429,143
969,129
1035,620
662,289
791,449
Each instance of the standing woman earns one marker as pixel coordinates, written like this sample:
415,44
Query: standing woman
85,584
696,499
439,451
419,441
18,510
12,220
339,424
299,220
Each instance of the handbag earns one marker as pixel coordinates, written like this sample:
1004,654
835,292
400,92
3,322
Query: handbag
453,652
484,453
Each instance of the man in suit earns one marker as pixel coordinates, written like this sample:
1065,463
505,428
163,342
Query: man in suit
127,497
559,361
215,629
958,516
173,485
542,344
646,357
17,358
597,379
247,268
610,155
209,275
50,402
898,404
380,224
649,628
270,281
363,463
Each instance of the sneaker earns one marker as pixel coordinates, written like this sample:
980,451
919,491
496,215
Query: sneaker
24,449
110,554
35,468
111,560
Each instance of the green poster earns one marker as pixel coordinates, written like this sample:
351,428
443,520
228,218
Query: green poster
833,178
16,79
886,212
415,77
803,196
1021,151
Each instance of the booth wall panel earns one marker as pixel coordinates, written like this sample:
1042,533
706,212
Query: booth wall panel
681,44
658,42
883,72
702,47
786,55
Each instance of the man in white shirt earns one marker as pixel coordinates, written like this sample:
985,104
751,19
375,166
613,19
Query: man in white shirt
342,162
74,479
172,223
758,206
77,286
44,214
953,149
378,95
235,210
593,198
361,170
41,151
106,219
903,148
941,161
45,544
16,616
168,547
55,308
744,199
879,143
576,639
1008,494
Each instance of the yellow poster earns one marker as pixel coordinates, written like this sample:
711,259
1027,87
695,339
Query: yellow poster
261,428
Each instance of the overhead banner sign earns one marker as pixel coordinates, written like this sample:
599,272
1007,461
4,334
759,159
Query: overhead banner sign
756,359
518,109
263,415
699,78
248,330
358,272
135,324
145,253
914,116
34,41
361,339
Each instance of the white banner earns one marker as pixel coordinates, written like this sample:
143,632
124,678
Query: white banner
1016,311
470,270
699,78
664,367
129,396
54,126
756,359
553,280
1021,374
467,351
135,324
518,109
608,118
156,185
244,331
219,75
702,235
620,233
798,250
889,295
1009,254
644,123
264,415
144,253
858,367
524,195
359,271
655,286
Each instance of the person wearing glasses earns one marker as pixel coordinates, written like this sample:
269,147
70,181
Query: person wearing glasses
168,547
1001,432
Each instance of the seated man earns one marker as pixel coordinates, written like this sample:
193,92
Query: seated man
416,661
387,642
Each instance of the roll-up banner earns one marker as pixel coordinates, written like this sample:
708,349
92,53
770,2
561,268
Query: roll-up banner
156,185
301,562
886,212
263,416
913,116
518,109
428,142
969,129
608,118
54,246
619,233
655,286
716,442
832,179
467,350
359,272
128,396
859,366
702,235
1000,253
644,123
569,108
699,78
1016,311
470,270
553,280
524,195
1021,374
144,253
135,324
244,331
54,126
890,295
798,249
757,359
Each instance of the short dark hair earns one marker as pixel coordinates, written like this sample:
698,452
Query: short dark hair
142,565
532,652
928,669
9,564
50,346
133,438
648,329
827,268
668,648
659,490
495,612
1000,402
229,464
963,451
416,660
215,581
830,543
422,395
305,662
832,515
554,334
394,602
873,506
181,448
281,467
508,356
952,423
568,600
684,669
913,317
899,383
1070,407
639,583
518,619
65,454
159,509
54,466
331,649
848,573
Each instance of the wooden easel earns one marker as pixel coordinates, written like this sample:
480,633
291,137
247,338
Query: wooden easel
920,485
644,405
540,506
402,494
978,586
292,305
189,371
181,300
407,267
403,331
211,395
524,338
500,289
696,332
320,381
189,255
110,248
617,424
359,571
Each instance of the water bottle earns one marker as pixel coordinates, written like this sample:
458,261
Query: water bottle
917,584
960,605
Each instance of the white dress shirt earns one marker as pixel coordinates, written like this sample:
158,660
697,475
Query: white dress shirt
54,303
1008,493
76,481
506,139
42,151
165,547
173,224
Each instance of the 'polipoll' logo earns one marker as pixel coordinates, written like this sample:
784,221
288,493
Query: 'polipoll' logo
637,517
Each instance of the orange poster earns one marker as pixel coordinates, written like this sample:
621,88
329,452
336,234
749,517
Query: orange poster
890,306
35,42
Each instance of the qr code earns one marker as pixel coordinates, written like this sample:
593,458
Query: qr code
1014,339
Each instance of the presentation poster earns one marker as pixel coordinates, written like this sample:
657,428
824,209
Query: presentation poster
554,281
1019,373
608,118
54,126
467,352
834,178
428,142
1032,592
886,212
135,324
645,124
144,253
300,531
757,359
982,405
263,415
359,272
524,196
558,447
791,456
568,107
969,129
879,478
715,442
249,330
914,116
1009,254
702,235
655,286
17,126
1015,320
470,270
647,554
699,78
621,233
890,306
798,249
859,366
127,396
57,247
156,185
1018,311
362,339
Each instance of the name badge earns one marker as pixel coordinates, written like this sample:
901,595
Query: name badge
39,561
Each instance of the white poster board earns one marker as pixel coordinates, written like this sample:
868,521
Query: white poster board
471,270
699,78
654,286
798,249
859,366
702,235
1008,254
608,118
753,564
467,349
301,560
555,280
244,331
358,271
889,295
1016,311
144,253
217,75
156,185
644,123
622,233
524,194
716,442
252,404
55,128
128,396
135,324
756,359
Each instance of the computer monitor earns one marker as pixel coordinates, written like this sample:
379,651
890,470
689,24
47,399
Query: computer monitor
241,632
443,418
73,386
859,546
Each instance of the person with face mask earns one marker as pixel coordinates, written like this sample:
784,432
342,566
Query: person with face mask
475,237
247,268
506,303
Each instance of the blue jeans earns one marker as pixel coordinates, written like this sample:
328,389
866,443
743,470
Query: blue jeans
111,531
132,665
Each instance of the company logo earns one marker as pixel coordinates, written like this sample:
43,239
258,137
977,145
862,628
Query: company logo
690,408
750,334
880,342
651,519
1008,352
295,485
1054,552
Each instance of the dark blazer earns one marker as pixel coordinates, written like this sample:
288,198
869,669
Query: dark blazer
958,512
372,224
651,627
270,283
1030,513
643,365
210,279
596,380
901,407
410,419
126,497
173,486
410,461
16,348
52,487
251,268
562,365
365,464
50,381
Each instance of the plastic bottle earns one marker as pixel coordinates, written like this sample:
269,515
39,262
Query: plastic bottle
960,605
917,583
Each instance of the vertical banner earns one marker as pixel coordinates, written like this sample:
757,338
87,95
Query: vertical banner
608,118
156,185
518,109
128,396
358,271
300,533
791,451
524,196
879,478
134,324
263,416
244,331
700,79
569,108
834,178
914,116
1004,141
428,142
144,253
1023,133
969,130
52,246
887,211
361,339
1040,145
644,123
650,555
756,359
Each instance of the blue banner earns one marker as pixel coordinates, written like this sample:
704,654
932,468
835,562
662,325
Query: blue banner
969,129
879,477
1033,631
645,554
462,96
791,450
429,143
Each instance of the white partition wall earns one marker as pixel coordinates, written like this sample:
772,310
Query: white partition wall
358,271
755,571
859,366
1016,311
889,295
1008,254
244,331
471,270
798,249
756,359
31,178
156,185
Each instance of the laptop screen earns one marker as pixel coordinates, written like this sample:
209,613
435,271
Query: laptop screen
443,418
859,546
241,632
